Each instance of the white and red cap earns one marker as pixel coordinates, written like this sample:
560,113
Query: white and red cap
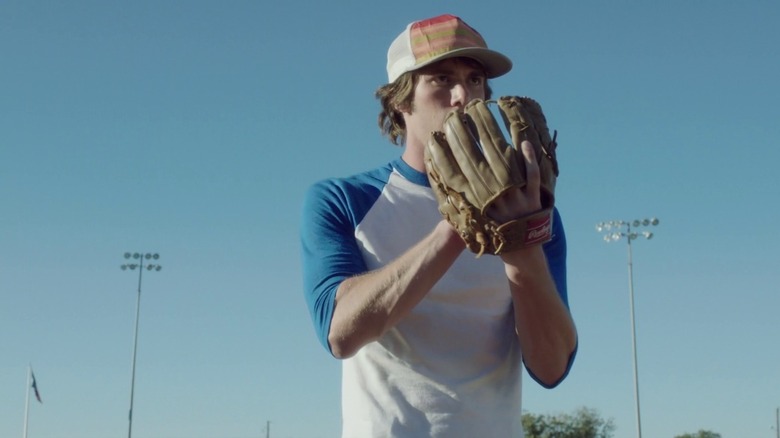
445,36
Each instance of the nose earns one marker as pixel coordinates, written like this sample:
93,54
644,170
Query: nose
460,95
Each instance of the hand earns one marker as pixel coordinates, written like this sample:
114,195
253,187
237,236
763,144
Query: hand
469,166
518,202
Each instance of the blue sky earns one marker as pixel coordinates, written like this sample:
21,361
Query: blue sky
192,129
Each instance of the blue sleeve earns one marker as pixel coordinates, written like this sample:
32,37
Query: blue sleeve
555,251
330,253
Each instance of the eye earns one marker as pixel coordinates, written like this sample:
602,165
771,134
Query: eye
441,79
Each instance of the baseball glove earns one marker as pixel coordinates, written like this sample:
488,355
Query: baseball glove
470,165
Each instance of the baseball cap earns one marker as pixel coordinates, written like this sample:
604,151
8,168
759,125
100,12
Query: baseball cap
445,36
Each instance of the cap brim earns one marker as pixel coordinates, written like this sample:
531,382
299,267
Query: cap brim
495,63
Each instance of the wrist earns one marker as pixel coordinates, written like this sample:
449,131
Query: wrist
525,263
449,236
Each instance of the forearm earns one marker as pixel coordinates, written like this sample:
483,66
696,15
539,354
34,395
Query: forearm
369,304
545,328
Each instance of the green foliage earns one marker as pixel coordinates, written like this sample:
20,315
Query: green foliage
700,434
584,423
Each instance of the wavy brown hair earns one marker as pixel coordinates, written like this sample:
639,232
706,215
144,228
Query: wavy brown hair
399,95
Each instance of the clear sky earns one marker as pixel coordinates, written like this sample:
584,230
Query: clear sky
192,129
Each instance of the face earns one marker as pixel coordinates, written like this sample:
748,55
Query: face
441,87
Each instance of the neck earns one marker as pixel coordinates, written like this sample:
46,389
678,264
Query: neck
414,156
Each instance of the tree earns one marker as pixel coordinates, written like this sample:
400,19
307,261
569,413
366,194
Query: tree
584,423
700,434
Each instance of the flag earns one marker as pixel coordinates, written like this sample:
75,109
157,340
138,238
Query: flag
35,387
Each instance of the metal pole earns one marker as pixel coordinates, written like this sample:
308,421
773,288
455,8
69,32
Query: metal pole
150,266
777,422
633,334
135,349
27,401
614,232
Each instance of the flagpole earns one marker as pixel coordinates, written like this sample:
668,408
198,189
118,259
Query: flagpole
27,400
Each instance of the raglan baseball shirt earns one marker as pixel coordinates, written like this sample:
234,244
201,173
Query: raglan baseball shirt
452,367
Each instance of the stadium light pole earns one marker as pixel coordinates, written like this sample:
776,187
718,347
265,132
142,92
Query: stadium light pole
614,231
137,263
777,422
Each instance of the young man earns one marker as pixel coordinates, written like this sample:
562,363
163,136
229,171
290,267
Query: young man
432,338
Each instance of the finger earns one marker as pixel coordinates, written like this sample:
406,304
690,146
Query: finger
519,125
474,169
532,172
498,153
440,161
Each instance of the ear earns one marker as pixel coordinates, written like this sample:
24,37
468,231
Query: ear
403,108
